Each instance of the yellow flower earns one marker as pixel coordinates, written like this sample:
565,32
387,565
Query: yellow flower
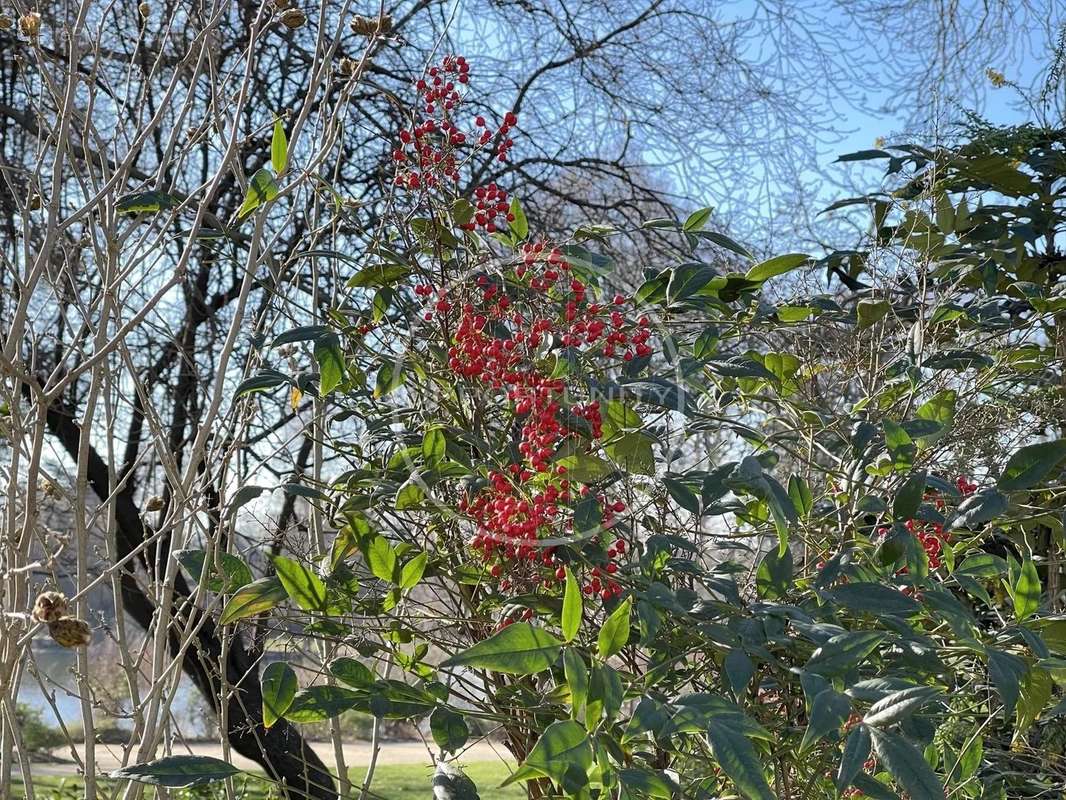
879,142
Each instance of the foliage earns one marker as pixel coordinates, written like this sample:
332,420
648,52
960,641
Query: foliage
699,539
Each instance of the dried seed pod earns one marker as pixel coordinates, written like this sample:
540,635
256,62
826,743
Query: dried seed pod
155,503
368,26
144,10
50,606
281,4
70,631
5,22
30,24
293,18
347,67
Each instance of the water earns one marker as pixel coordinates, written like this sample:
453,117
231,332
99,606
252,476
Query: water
57,669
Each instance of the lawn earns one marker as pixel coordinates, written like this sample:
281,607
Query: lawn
394,782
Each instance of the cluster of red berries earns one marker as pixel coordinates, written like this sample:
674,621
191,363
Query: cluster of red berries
491,207
500,330
429,151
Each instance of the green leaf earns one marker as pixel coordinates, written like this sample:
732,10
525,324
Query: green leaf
587,516
778,265
875,598
318,703
682,495
381,558
261,189
178,772
410,494
856,751
615,631
449,729
940,408
722,240
979,508
1030,465
413,570
563,753
518,649
1026,591
302,585
301,333
633,452
1006,671
906,764
899,705
266,379
233,575
354,673
870,312
799,491
577,679
434,446
774,577
573,606
648,783
829,711
909,497
843,652
330,360
145,203
279,688
697,219
736,756
390,377
255,598
279,149
519,225
739,670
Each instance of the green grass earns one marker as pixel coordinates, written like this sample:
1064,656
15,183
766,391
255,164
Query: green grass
393,782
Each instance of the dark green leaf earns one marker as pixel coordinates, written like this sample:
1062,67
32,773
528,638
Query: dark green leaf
774,577
906,764
449,729
829,711
519,649
1030,465
736,756
178,772
899,705
856,751
563,753
279,689
318,703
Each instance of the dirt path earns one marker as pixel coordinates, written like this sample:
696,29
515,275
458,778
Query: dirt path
356,754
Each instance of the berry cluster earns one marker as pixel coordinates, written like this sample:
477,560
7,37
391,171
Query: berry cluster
491,206
503,331
430,151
